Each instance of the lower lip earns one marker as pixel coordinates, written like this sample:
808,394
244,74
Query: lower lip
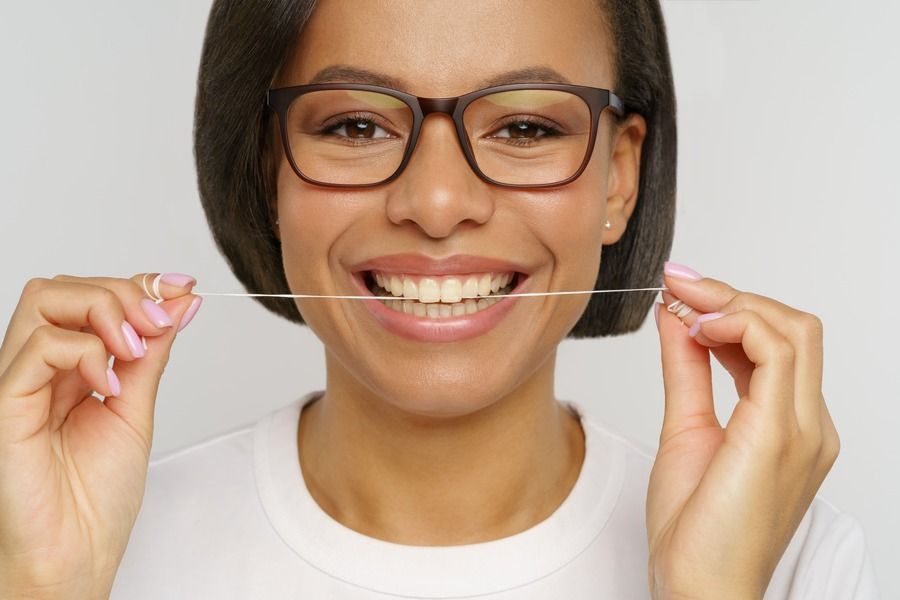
448,329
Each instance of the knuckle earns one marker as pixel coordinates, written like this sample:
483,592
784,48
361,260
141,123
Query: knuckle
783,352
810,327
739,301
44,334
831,445
34,285
107,300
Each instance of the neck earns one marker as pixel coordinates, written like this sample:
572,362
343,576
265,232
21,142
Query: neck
416,480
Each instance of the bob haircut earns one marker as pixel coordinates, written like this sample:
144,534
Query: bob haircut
245,45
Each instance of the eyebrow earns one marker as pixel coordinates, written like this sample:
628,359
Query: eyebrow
350,74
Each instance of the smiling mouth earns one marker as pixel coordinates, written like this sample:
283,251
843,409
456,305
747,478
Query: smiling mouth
440,297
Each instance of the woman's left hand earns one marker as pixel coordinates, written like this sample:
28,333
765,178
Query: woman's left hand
723,503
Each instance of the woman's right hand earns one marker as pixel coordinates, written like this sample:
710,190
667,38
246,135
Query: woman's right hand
73,467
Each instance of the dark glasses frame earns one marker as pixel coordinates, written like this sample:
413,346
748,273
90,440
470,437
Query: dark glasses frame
597,100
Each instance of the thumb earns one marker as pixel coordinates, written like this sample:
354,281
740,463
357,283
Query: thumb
687,378
140,378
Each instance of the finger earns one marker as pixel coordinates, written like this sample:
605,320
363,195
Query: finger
687,380
71,306
771,384
46,352
730,356
143,312
688,314
804,330
140,378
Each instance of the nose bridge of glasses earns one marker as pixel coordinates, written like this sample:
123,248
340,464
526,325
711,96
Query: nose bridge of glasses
445,106
438,105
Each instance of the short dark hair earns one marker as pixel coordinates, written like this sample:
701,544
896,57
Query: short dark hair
245,45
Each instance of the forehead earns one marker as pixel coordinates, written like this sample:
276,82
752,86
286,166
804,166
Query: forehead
439,48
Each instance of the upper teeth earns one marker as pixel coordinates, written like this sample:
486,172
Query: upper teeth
442,289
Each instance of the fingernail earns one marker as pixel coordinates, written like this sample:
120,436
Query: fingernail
695,328
190,312
674,269
178,279
656,312
114,384
132,339
156,313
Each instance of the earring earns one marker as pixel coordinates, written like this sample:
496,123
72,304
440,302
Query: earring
607,224
276,221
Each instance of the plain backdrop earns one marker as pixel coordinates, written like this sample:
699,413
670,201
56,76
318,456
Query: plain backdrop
787,187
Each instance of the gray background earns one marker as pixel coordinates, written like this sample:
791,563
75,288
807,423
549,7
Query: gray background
787,186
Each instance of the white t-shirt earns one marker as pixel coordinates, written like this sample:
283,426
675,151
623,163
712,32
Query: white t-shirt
231,517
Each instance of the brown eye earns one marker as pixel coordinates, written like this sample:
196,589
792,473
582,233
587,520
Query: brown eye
522,130
360,128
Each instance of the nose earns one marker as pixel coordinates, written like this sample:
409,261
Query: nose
438,191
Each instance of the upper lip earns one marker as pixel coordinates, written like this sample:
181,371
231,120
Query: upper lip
419,264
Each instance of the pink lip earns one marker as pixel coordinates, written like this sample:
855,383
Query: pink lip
424,329
419,264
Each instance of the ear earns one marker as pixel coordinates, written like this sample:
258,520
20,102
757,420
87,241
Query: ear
624,175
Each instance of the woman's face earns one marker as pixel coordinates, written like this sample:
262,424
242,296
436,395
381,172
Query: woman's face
416,227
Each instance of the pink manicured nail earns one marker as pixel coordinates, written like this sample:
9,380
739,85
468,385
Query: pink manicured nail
114,384
656,306
156,313
190,312
695,328
132,339
682,272
178,279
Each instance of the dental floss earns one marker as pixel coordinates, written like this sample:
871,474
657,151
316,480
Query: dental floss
401,297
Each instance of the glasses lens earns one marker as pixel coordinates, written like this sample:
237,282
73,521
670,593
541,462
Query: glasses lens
352,137
529,136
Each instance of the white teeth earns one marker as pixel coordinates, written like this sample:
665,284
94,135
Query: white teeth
437,310
447,290
451,290
396,286
470,288
429,291
484,285
410,289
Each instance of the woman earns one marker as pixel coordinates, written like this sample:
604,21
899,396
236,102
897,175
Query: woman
437,462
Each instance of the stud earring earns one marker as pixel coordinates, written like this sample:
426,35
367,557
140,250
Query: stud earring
607,224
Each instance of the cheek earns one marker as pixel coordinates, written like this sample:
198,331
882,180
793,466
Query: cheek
570,222
312,221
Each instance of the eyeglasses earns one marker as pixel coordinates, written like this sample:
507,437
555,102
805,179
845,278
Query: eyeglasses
515,135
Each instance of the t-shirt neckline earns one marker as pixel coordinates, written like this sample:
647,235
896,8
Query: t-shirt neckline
430,571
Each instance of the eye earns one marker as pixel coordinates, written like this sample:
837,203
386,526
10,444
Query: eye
355,127
527,129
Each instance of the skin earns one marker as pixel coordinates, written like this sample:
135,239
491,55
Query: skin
467,437
456,446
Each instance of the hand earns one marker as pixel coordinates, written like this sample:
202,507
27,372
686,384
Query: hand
72,467
723,503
